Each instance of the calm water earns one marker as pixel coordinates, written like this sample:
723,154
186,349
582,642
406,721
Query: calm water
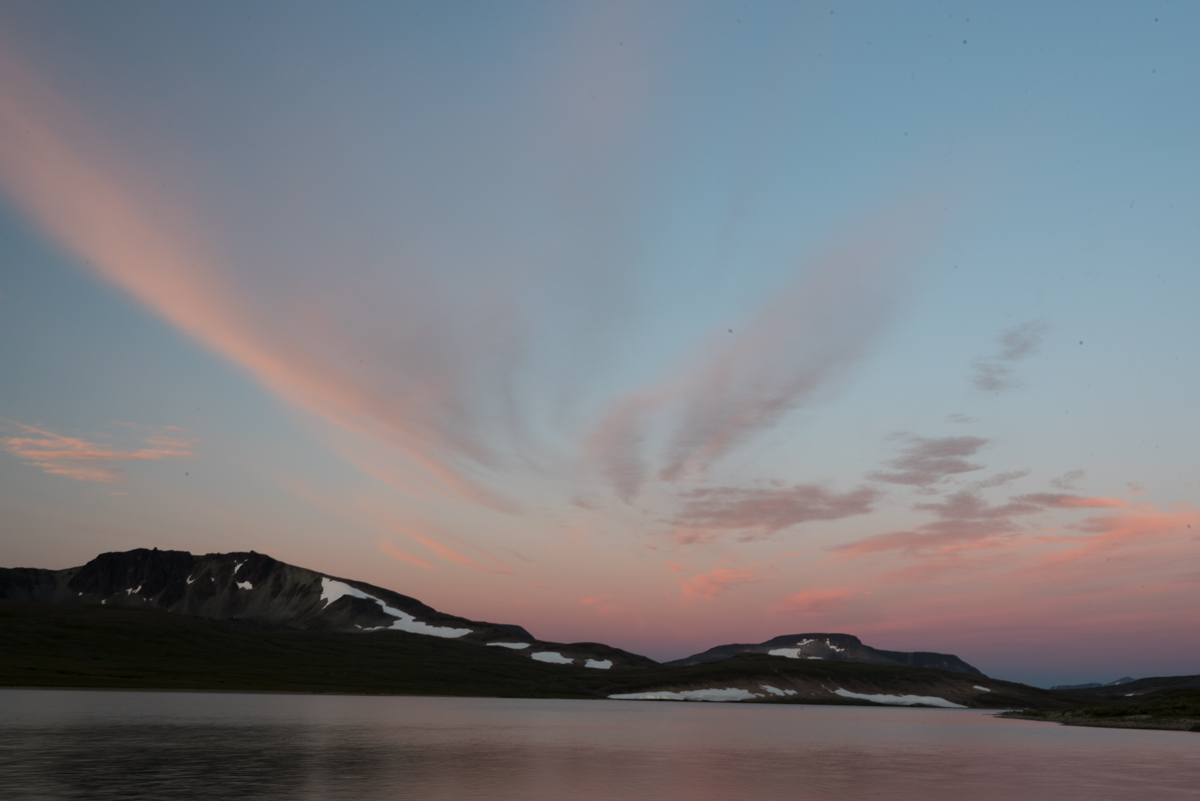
129,745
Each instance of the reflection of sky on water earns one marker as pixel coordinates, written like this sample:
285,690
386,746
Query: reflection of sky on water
663,325
131,746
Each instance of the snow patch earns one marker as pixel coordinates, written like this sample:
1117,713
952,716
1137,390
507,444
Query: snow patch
238,566
516,646
602,664
245,585
900,700
776,690
985,689
814,657
552,656
190,579
132,591
331,590
726,694
834,647
790,653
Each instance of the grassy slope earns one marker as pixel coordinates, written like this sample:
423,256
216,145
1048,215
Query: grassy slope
1180,712
44,645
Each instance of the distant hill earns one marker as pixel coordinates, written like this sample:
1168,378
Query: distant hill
1090,685
832,647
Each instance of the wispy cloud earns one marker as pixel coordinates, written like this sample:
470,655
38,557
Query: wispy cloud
738,387
996,374
389,548
431,537
810,603
84,460
930,460
966,519
396,368
1067,480
717,581
757,512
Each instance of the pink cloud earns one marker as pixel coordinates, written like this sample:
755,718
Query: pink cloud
490,564
969,521
83,460
70,181
810,603
1073,501
717,581
387,547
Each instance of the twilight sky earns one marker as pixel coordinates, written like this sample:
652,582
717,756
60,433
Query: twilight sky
658,324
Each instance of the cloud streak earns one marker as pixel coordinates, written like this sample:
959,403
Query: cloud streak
717,581
296,340
795,344
810,603
931,460
84,460
757,512
967,520
996,375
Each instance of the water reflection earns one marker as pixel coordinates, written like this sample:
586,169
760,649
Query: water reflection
135,746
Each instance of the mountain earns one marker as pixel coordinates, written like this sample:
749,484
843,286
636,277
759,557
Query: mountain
256,592
244,621
151,618
831,647
1092,684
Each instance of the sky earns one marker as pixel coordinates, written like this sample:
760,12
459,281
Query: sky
664,325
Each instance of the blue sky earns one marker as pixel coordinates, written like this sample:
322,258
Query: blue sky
658,324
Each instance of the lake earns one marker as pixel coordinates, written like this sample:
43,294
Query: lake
62,744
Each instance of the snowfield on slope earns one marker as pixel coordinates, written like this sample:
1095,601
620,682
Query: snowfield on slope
901,700
332,589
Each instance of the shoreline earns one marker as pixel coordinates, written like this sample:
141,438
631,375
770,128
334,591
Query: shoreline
1130,722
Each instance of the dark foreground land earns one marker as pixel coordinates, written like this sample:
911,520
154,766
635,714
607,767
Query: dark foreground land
1179,712
47,645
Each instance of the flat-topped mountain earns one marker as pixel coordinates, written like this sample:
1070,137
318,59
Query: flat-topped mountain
253,590
831,647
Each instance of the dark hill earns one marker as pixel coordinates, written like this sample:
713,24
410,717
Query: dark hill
834,648
253,590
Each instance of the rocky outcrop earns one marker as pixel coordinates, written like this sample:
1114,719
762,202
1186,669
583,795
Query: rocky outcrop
834,648
253,590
